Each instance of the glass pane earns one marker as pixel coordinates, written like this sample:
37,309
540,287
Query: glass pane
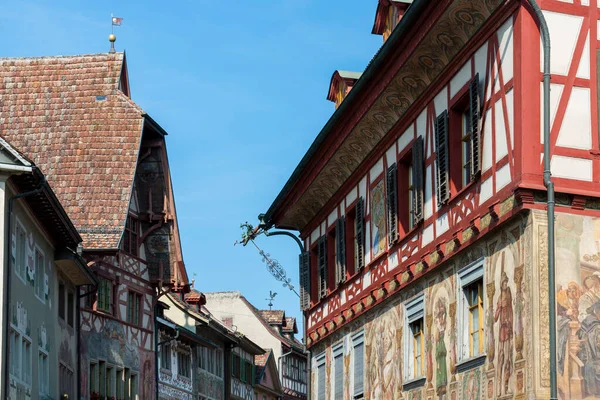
475,316
475,349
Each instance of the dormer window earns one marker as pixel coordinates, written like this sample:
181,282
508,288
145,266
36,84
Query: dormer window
340,85
389,13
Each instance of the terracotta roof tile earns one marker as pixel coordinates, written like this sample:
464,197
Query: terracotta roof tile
68,115
290,325
273,316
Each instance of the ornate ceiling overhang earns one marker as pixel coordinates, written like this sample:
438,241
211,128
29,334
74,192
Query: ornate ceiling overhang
439,46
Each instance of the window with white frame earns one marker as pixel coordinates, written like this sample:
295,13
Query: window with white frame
15,354
43,372
321,389
39,275
358,362
338,371
471,307
21,366
26,362
414,338
20,255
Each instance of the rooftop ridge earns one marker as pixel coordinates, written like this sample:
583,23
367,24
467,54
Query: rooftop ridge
118,53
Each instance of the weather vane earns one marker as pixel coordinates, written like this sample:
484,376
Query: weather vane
271,297
273,266
115,21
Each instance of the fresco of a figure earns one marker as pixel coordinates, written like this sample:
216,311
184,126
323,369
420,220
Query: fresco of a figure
578,307
504,316
441,375
378,220
382,353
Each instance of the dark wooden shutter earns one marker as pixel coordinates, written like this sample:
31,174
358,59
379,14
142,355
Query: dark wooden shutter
418,178
360,234
441,142
475,108
304,280
340,262
322,264
392,203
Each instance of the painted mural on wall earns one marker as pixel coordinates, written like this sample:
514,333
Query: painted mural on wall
378,220
503,372
578,306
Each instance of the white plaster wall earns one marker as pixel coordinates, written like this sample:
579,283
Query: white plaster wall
229,304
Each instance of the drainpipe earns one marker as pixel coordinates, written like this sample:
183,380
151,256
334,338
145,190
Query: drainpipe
545,35
9,276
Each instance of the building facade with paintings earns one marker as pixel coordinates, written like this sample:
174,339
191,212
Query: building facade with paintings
271,330
107,161
44,274
422,208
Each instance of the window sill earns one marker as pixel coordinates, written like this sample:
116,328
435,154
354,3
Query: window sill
414,383
471,363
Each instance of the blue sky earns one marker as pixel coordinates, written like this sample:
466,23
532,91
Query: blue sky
240,87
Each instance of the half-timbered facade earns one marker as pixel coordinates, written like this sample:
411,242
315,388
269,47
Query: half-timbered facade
271,330
107,161
421,206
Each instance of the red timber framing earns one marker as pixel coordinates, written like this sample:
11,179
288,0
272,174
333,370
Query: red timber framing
511,166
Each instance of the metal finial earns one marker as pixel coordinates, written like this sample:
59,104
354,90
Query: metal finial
112,38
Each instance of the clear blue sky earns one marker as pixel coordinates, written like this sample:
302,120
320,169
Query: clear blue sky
240,87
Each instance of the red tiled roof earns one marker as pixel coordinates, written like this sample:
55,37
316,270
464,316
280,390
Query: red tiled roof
290,325
273,316
68,115
261,360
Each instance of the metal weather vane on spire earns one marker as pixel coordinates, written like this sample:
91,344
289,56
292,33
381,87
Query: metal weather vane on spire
115,21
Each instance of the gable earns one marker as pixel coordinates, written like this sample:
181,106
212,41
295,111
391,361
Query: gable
91,158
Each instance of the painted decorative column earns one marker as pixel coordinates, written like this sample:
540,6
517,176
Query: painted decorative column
429,348
519,304
491,345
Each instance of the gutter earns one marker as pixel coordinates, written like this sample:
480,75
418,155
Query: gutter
410,17
545,35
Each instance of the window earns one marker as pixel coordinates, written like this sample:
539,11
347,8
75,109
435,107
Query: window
391,186
411,183
93,378
130,239
133,387
133,308
70,308
165,356
65,380
104,295
464,138
61,300
340,250
110,387
39,275
474,294
442,165
26,362
184,365
471,303
322,265
338,371
15,354
359,243
120,383
20,257
43,373
358,360
235,365
321,389
414,339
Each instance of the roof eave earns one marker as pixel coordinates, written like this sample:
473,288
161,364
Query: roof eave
362,84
